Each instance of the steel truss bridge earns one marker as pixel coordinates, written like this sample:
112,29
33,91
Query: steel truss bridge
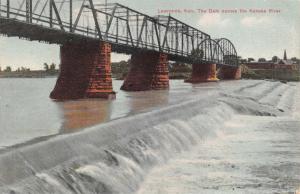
128,30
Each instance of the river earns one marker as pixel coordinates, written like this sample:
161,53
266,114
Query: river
27,113
226,137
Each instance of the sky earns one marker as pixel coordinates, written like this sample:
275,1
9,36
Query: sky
254,33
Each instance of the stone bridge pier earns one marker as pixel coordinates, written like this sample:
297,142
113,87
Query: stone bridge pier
148,71
85,71
204,72
230,72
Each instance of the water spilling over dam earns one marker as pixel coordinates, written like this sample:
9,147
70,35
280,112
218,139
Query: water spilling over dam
136,153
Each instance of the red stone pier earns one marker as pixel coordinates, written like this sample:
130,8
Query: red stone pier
203,73
149,71
85,71
230,73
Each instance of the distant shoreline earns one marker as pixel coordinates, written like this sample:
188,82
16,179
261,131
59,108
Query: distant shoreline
29,74
120,74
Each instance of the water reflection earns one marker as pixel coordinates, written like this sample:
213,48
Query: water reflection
82,113
141,101
206,85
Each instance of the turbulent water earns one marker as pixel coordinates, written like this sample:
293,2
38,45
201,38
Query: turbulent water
241,139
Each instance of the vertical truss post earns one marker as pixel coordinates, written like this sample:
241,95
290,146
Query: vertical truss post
51,13
193,40
137,27
146,33
206,50
29,11
187,43
182,40
127,23
172,40
71,15
106,16
159,32
197,39
152,35
7,8
117,30
176,37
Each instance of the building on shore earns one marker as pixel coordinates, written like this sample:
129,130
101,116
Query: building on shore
284,69
279,64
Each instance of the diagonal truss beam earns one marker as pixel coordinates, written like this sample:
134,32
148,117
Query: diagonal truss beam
57,16
95,19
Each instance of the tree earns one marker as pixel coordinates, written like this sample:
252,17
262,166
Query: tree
123,62
0,69
262,60
275,59
7,69
250,60
46,66
52,67
294,59
241,60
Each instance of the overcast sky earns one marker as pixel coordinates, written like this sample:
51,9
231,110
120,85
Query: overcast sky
254,34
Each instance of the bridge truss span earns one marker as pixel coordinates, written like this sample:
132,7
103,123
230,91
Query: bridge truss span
127,30
229,52
219,51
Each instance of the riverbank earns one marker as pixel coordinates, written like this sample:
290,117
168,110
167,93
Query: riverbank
29,74
267,73
119,72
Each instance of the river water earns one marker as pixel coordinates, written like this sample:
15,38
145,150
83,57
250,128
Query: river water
27,112
226,137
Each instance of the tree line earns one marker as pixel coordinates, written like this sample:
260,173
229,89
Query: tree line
46,67
274,59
